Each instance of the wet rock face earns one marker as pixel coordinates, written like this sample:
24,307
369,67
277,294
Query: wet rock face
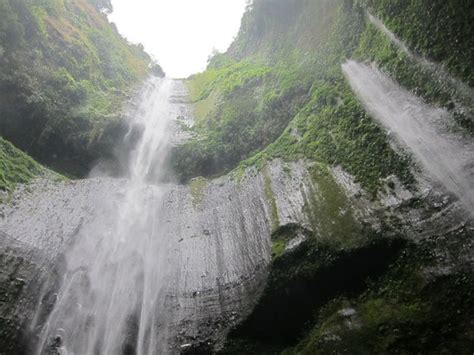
217,235
426,229
218,242
20,277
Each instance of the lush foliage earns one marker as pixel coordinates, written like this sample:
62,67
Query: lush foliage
279,90
240,108
304,87
440,30
65,71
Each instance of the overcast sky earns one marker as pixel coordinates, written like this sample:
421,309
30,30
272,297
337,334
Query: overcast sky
180,34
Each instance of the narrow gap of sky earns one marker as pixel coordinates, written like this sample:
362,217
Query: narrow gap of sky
179,34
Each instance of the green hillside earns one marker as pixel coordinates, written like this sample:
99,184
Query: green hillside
65,73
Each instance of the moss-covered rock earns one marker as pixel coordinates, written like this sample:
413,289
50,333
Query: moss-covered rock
16,167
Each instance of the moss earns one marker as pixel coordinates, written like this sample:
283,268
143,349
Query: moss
401,312
16,167
197,187
330,211
282,235
278,247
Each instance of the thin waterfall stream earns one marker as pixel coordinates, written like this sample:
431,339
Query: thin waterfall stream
442,150
112,293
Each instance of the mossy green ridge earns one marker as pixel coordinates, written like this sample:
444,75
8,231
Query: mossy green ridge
16,167
240,108
65,73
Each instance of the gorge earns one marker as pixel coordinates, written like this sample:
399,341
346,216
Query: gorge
310,192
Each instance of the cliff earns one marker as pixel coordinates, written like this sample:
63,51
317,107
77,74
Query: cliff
285,90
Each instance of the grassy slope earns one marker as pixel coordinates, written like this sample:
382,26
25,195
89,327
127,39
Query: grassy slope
65,72
16,167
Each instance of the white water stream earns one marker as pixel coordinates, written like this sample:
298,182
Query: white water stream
445,155
111,298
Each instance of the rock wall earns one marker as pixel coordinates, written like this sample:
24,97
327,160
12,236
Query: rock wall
218,236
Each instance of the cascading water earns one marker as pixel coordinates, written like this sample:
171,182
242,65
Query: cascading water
441,148
115,285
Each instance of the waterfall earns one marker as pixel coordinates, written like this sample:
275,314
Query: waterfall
441,149
112,294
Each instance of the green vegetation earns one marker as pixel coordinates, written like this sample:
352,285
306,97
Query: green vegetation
240,108
279,91
439,30
16,167
65,72
329,212
424,80
294,105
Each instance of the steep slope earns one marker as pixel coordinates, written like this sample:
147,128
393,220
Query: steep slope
65,74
